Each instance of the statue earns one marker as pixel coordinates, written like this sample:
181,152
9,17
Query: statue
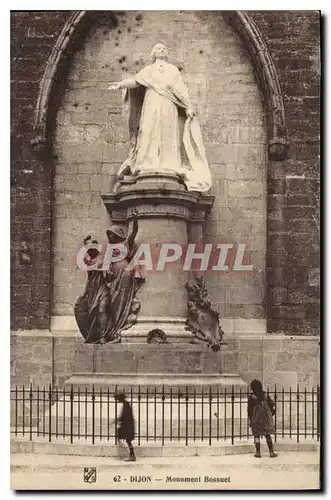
109,304
165,135
202,320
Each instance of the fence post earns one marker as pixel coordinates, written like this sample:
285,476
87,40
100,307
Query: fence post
290,412
275,401
318,413
155,413
194,414
100,413
78,416
202,411
50,413
283,412
116,437
218,414
85,412
93,414
240,412
232,415
210,419
186,417
171,413
71,414
30,408
162,415
23,399
139,398
44,410
298,414
305,412
178,413
16,407
147,415
56,413
313,412
225,408
64,412
108,414
247,421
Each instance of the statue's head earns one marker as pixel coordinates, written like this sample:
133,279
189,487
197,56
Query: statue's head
159,51
115,234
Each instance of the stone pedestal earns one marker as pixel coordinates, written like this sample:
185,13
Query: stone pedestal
155,358
168,213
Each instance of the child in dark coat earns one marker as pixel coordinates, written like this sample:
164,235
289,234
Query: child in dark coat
126,425
261,410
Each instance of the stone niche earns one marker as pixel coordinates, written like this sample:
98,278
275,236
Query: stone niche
91,141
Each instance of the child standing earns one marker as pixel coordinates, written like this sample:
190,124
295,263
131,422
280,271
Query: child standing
126,425
261,409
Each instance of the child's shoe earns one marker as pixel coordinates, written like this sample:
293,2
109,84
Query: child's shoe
257,454
273,454
131,459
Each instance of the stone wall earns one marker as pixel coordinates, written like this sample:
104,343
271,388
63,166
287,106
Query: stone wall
31,360
33,36
293,185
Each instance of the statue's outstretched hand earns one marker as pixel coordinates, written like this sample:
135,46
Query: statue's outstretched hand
134,213
114,86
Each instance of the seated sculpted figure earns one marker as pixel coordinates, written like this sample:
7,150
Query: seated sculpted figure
109,304
164,133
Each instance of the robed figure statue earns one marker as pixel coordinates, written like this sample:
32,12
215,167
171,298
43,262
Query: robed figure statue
165,135
109,304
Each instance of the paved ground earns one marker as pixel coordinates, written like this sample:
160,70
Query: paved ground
289,470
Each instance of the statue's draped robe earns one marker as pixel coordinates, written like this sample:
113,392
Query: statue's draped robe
108,305
162,138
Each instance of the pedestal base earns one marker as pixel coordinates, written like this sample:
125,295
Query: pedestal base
154,365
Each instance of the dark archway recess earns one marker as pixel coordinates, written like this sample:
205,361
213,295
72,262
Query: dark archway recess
52,86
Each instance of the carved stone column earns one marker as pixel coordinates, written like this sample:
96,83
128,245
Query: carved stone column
168,213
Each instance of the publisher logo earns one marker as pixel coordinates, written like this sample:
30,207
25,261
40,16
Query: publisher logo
90,474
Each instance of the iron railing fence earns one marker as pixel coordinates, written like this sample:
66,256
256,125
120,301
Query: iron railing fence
161,414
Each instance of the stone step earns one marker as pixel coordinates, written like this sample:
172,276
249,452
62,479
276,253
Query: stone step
177,383
168,430
104,448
